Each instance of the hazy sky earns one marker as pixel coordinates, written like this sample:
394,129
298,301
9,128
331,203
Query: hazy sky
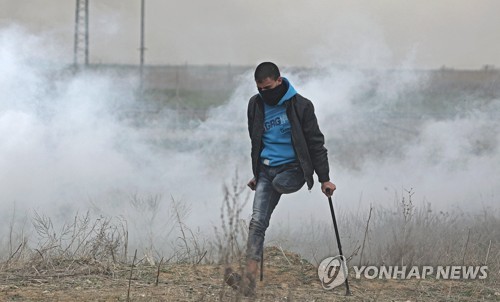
381,33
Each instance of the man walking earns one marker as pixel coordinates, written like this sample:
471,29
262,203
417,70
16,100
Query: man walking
287,148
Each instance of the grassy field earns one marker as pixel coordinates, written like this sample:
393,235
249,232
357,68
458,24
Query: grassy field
287,277
91,259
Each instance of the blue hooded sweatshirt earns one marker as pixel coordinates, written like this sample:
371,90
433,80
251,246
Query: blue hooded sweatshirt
277,137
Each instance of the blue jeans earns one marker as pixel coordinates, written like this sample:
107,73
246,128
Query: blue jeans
271,183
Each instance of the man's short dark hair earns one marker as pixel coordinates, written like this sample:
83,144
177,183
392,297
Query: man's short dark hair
266,70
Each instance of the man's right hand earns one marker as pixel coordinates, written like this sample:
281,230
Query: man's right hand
252,184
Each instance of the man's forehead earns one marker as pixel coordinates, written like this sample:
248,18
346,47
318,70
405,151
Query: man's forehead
266,80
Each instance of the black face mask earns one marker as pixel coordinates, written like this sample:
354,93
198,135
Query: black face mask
274,95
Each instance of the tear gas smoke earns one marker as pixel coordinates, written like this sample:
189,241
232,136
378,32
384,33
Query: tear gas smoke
66,146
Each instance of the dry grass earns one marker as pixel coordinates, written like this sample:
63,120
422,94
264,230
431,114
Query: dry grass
289,277
406,234
89,258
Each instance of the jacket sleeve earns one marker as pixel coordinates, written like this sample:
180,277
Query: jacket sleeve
250,115
315,142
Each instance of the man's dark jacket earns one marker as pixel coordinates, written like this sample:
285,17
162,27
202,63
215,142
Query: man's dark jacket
307,139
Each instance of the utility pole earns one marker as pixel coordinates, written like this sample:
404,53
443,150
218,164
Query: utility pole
143,48
81,46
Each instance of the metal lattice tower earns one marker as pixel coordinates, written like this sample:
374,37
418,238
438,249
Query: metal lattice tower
142,48
81,47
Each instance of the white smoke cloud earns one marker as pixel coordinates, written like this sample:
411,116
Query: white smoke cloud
65,145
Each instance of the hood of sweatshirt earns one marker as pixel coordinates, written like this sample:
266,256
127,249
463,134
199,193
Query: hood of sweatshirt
289,93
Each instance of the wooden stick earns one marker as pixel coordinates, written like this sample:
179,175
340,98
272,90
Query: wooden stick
158,273
487,254
366,234
203,256
130,278
19,247
465,249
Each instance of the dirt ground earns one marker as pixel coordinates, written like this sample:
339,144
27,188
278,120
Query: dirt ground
287,277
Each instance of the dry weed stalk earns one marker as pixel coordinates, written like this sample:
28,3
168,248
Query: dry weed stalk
190,248
84,243
407,208
158,272
366,234
465,247
17,254
130,277
231,239
147,207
